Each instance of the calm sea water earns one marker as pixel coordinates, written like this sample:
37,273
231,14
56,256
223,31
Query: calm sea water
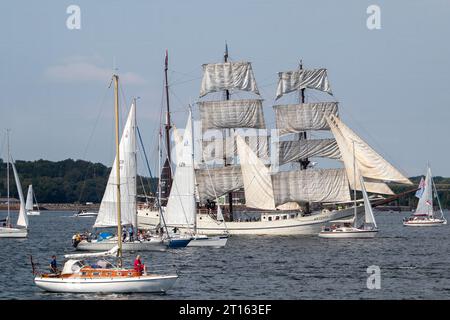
414,263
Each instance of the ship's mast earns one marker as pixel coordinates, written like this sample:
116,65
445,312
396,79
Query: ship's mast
302,136
227,97
119,218
168,125
7,176
303,162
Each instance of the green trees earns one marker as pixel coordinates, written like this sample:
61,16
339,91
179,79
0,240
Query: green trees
67,181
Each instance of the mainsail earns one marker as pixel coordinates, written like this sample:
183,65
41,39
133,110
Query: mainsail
107,214
425,204
215,182
312,185
29,202
181,208
22,219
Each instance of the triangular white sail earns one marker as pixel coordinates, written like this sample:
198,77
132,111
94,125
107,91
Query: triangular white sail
256,176
22,220
425,205
180,208
29,202
107,214
371,165
368,212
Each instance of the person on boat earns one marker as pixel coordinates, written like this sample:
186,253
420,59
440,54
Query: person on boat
53,265
131,233
138,265
124,233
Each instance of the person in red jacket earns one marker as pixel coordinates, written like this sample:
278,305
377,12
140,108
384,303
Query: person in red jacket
138,265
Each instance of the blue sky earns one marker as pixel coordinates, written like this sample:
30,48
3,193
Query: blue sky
392,83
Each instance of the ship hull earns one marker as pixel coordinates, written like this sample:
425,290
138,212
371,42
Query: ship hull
13,233
106,245
307,225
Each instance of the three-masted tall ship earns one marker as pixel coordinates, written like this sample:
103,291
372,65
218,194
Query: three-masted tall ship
285,193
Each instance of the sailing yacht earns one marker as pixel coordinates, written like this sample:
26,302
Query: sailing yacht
425,216
285,202
29,203
106,217
181,209
356,227
104,277
7,230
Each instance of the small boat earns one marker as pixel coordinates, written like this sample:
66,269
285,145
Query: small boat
29,206
78,276
361,226
7,230
424,215
84,213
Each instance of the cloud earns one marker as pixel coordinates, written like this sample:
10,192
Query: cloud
81,69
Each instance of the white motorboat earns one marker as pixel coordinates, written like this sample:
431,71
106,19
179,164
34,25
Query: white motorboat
84,214
7,230
29,203
424,215
208,241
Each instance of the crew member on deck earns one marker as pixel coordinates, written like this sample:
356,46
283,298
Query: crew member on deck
53,265
138,265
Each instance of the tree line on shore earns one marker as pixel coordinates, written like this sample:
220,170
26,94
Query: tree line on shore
79,181
66,181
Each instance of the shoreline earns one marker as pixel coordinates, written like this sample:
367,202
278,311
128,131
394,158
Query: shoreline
56,207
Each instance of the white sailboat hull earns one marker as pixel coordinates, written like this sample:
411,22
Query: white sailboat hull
105,245
425,223
33,213
13,233
204,241
308,225
350,233
151,283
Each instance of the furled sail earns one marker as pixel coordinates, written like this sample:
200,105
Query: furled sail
312,185
22,219
256,178
29,201
368,161
293,118
425,204
228,76
246,113
213,150
107,214
181,208
215,182
296,80
290,151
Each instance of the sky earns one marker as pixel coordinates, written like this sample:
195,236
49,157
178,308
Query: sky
392,83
